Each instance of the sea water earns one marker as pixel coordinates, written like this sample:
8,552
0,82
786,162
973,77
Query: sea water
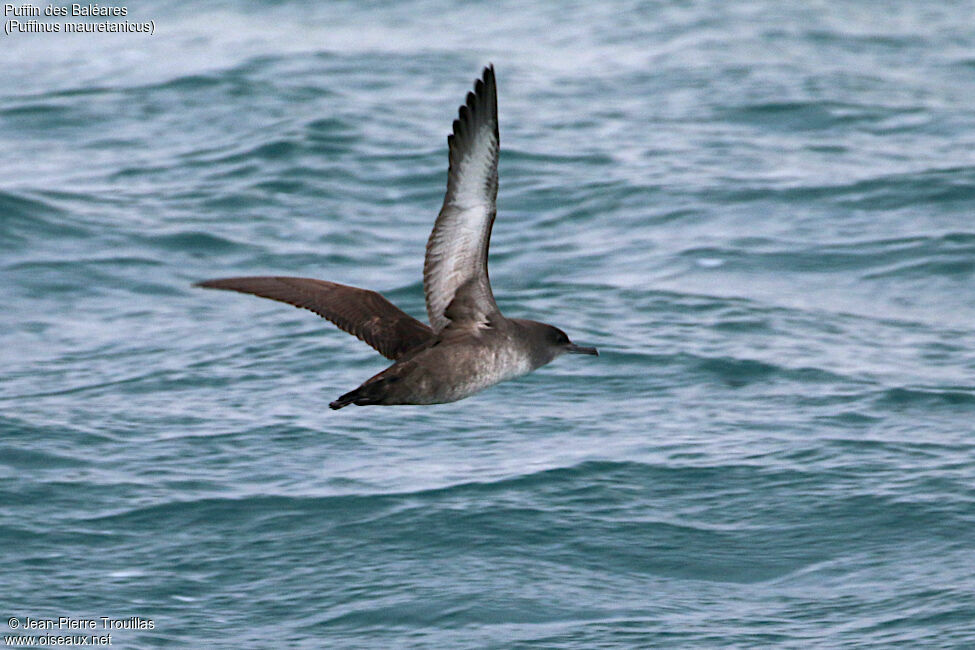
760,212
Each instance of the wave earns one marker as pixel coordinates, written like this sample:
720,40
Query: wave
950,186
28,216
926,396
949,253
803,115
621,518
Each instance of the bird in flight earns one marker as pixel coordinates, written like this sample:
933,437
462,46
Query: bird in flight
468,345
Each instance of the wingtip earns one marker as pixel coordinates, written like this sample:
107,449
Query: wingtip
487,76
218,283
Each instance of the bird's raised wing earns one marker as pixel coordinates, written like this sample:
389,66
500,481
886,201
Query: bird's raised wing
360,312
457,251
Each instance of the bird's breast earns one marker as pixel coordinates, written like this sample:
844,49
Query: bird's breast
458,371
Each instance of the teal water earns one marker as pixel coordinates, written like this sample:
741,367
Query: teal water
760,212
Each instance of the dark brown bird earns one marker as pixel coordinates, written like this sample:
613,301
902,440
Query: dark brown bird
468,345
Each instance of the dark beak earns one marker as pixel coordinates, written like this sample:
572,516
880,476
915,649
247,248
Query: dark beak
572,348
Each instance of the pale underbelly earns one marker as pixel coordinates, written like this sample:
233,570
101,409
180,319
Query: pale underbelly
472,375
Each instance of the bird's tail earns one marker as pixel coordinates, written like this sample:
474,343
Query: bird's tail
374,391
362,396
344,400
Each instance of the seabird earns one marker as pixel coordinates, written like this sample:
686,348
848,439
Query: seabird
468,345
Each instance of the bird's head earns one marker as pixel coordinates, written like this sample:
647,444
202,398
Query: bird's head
550,343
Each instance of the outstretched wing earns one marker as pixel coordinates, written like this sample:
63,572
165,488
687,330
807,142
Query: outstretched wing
360,312
457,251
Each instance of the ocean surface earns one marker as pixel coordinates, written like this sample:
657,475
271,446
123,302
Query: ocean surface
762,213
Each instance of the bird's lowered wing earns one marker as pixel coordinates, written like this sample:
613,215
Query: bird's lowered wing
360,312
457,251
